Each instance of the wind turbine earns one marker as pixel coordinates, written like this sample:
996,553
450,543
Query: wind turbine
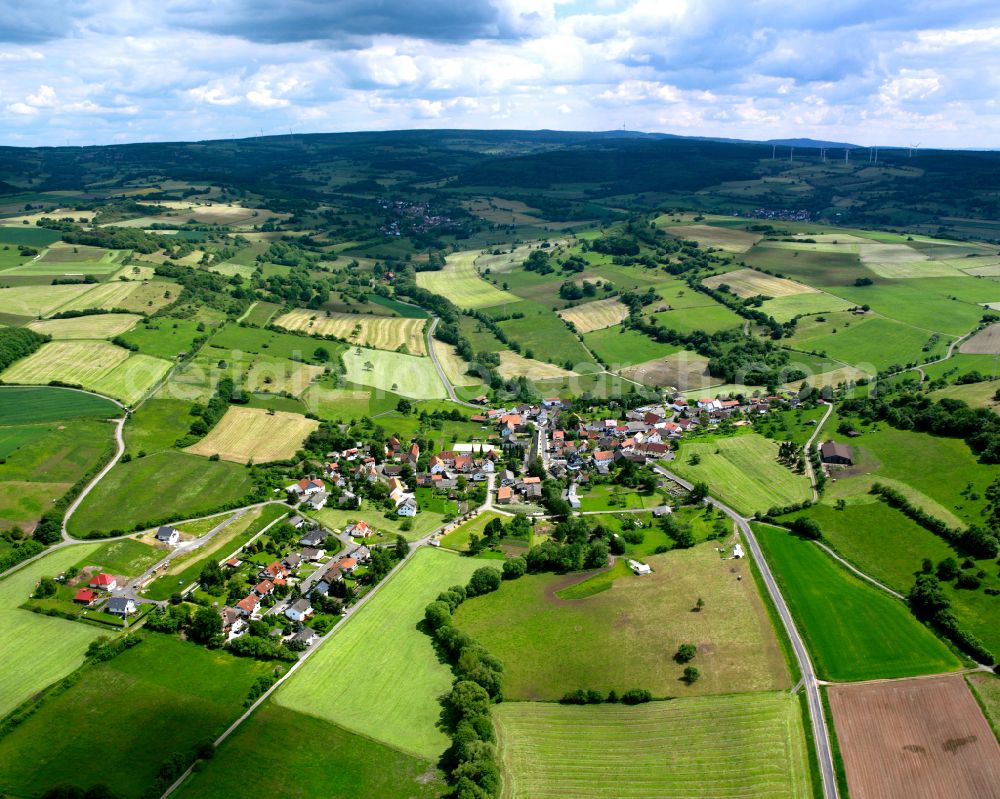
913,147
791,155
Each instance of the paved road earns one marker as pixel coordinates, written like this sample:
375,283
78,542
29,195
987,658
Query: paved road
821,735
440,370
809,467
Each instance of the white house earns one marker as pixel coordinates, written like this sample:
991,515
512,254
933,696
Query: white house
120,606
738,551
299,611
639,568
408,507
168,535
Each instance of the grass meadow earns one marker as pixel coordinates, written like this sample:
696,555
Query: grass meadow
165,485
618,346
710,318
164,690
163,337
545,337
460,282
388,672
819,302
625,636
726,747
458,538
406,375
317,759
742,471
246,434
848,338
157,425
96,326
25,405
853,630
47,648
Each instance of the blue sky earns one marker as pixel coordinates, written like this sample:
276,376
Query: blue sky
879,71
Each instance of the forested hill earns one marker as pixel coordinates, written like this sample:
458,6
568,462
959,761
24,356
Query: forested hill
569,170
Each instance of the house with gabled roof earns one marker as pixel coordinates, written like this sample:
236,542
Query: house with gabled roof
249,605
359,529
104,581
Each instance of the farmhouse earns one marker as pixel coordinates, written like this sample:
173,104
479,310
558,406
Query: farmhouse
104,581
120,606
168,535
85,597
840,454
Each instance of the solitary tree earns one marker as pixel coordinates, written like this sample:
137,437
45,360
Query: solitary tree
685,653
691,675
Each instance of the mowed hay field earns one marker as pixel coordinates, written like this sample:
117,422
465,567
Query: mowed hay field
380,332
47,648
816,302
743,471
96,326
253,433
624,637
853,630
911,738
37,301
455,368
750,283
380,676
985,342
595,315
724,747
513,365
95,365
460,282
727,239
407,375
135,296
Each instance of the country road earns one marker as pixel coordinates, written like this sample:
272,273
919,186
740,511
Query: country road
821,735
810,472
440,369
120,441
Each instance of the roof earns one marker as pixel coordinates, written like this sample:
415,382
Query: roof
165,532
102,579
249,603
504,492
302,605
836,449
119,603
264,587
348,563
85,595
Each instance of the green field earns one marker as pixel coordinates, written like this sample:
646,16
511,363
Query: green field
407,375
624,637
460,282
38,301
897,343
162,690
96,365
399,677
853,630
31,235
785,308
164,486
42,461
26,405
458,538
47,648
618,346
710,318
544,336
725,747
157,425
164,337
261,313
317,759
124,558
742,471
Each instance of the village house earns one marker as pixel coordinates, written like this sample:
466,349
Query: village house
233,625
168,535
249,605
273,571
300,610
359,529
264,588
306,486
306,636
348,565
104,581
312,555
504,495
120,606
85,597
312,538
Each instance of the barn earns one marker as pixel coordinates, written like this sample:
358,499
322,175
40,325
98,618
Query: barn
835,453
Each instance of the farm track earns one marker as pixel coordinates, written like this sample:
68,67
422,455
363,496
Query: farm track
809,467
821,735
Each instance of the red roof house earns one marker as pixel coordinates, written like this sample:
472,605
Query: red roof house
105,581
85,596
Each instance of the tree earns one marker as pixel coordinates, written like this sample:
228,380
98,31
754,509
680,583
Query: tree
947,569
514,568
437,615
536,468
402,547
404,406
691,675
685,653
205,624
484,580
211,578
46,587
321,354
699,492
927,598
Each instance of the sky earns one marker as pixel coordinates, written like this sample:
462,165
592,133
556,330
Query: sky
865,71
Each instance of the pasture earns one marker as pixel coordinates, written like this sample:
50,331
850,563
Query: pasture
927,304
95,365
750,283
193,698
622,347
406,375
458,537
337,403
624,637
853,630
157,425
48,648
164,337
380,332
813,267
976,395
261,313
93,327
849,338
914,738
595,315
727,747
985,342
28,405
460,282
710,318
743,471
274,376
682,370
728,239
544,336
396,702
253,434
133,296
986,688
817,302
350,765
169,485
